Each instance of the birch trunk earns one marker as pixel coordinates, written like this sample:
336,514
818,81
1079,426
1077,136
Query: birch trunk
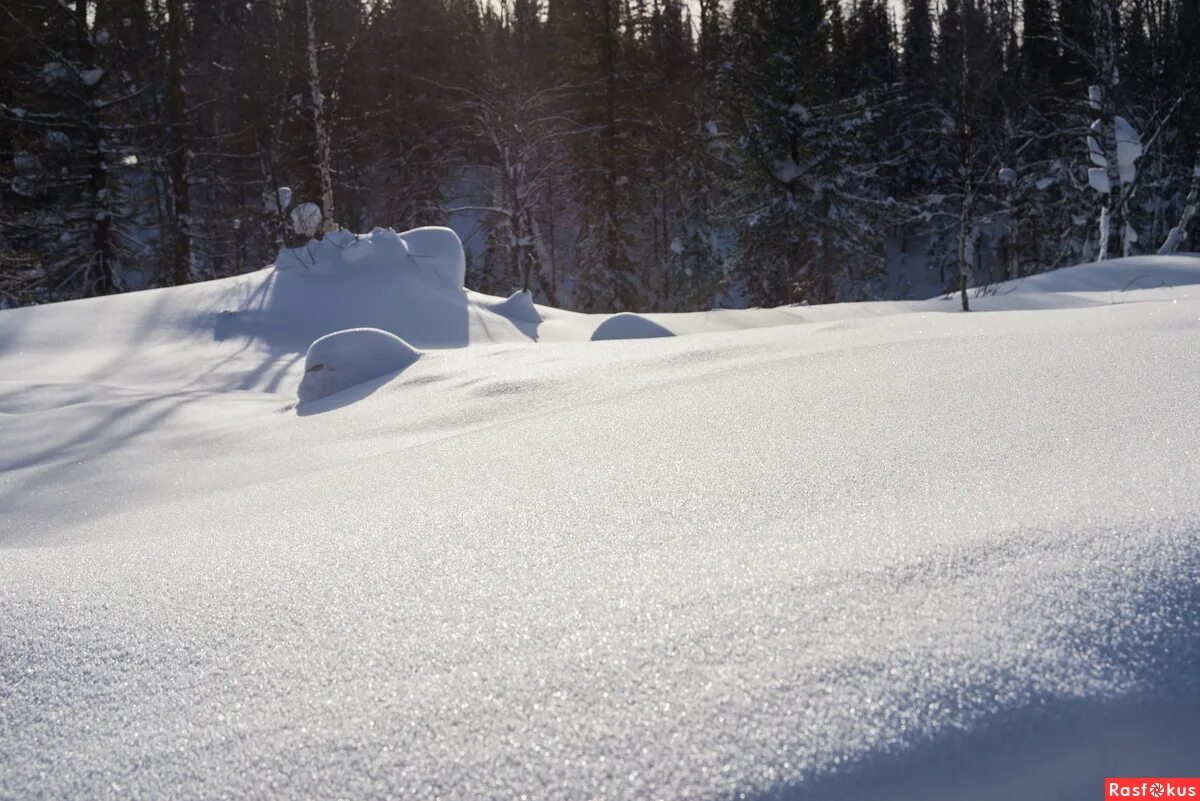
320,130
1106,58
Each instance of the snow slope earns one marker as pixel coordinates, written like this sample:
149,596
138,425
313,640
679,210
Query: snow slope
867,551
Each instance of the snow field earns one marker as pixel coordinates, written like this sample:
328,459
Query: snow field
863,551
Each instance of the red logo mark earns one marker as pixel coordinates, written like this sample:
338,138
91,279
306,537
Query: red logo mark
1151,787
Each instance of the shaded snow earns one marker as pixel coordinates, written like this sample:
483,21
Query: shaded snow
857,551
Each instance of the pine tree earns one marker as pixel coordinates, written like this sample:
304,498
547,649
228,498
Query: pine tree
1077,22
76,113
1039,46
918,42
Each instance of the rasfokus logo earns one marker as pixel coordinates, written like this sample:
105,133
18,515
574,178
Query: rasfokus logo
1147,787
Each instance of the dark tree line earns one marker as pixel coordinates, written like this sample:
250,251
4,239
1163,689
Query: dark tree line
610,154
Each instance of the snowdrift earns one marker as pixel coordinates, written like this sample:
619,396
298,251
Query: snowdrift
1116,275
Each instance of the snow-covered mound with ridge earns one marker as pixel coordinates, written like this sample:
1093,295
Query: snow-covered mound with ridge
863,551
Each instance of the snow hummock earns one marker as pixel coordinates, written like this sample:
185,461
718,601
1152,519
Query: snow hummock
629,326
518,306
343,359
871,550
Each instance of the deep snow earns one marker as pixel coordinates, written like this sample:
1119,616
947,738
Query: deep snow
862,551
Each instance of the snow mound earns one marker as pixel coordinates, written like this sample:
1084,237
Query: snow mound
518,307
629,326
342,359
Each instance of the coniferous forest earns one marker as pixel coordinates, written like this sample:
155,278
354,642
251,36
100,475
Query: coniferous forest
606,154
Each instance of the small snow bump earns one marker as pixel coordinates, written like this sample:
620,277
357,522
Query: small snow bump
518,307
629,326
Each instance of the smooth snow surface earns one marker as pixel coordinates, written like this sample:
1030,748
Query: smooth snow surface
858,552
343,359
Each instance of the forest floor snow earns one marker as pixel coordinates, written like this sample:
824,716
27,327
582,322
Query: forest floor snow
880,550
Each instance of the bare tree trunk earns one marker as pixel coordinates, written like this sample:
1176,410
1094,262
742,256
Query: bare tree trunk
1014,253
608,57
1106,59
964,268
1014,231
516,221
319,129
553,253
1190,207
177,111
1112,201
965,136
548,286
103,251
